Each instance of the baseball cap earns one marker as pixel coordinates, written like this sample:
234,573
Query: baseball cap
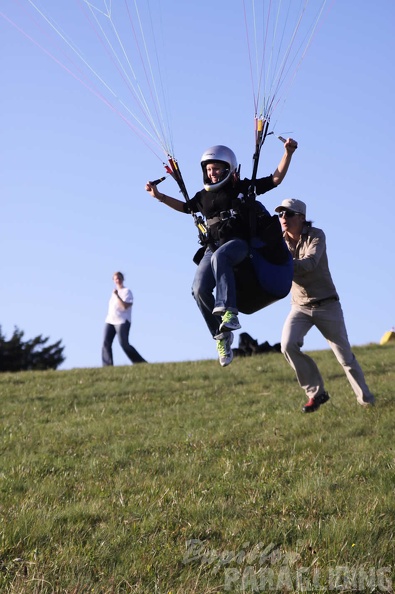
292,204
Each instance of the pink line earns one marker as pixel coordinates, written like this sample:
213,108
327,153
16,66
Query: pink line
92,90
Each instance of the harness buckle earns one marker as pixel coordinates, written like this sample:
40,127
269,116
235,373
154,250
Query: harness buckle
227,214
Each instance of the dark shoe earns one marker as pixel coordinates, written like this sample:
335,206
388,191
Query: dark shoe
367,402
314,403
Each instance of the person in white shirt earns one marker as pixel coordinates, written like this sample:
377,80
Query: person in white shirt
118,322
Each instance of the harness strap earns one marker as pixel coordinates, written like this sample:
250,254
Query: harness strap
213,221
223,216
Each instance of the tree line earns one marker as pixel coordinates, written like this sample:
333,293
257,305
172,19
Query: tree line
17,354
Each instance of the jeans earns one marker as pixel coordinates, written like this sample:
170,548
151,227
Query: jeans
216,271
329,320
122,331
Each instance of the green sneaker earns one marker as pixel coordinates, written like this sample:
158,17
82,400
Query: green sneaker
224,348
230,321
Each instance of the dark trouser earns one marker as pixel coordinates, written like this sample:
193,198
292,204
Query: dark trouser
122,331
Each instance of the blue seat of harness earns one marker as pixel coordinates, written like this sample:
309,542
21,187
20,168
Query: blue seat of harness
260,282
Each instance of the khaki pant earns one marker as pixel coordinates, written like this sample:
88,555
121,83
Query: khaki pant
329,320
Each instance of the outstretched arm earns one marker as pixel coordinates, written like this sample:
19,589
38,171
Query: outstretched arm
290,147
173,203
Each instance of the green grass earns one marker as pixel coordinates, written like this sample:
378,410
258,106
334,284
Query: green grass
188,478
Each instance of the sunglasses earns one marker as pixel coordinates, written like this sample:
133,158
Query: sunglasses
287,213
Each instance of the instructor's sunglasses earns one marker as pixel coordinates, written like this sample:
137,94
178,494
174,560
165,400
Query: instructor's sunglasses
287,213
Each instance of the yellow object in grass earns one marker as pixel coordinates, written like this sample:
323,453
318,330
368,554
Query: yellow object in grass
388,336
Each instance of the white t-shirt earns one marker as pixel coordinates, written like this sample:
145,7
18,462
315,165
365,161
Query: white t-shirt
116,313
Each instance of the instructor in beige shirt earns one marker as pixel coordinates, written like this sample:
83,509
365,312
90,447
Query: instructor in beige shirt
315,302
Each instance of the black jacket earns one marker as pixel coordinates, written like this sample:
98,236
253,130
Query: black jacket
229,199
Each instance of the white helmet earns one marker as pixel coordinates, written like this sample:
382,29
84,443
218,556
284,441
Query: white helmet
218,154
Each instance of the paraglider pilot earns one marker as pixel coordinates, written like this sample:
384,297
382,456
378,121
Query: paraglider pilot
223,203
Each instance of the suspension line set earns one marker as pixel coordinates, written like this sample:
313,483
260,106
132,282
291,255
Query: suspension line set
173,169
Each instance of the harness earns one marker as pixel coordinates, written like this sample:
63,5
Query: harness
223,216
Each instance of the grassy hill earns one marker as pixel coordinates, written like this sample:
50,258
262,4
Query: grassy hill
188,478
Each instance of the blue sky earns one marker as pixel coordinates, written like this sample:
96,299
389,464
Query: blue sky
72,178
